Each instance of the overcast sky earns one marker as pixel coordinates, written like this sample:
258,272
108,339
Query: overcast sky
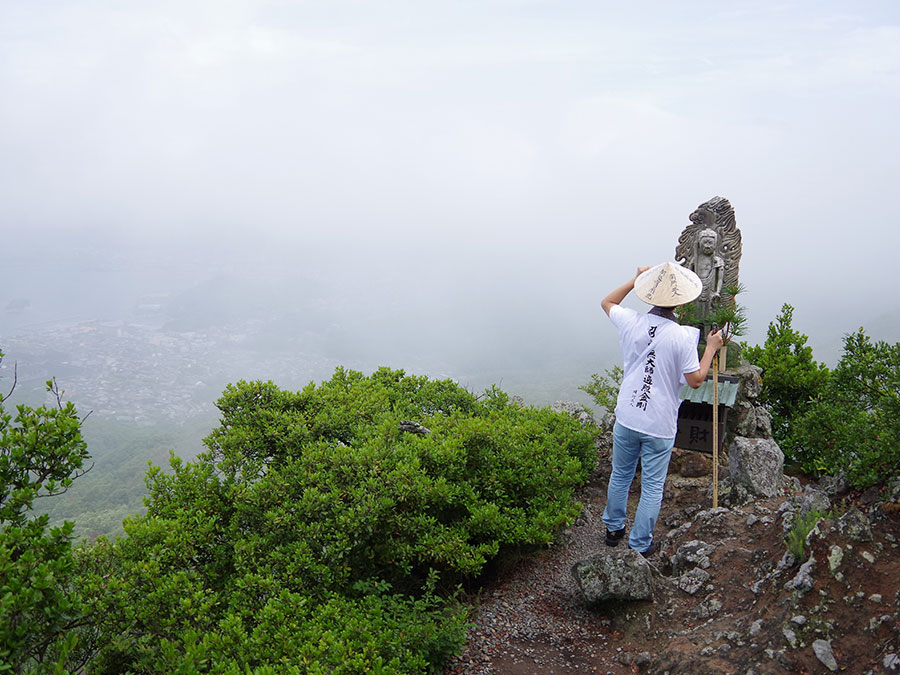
543,145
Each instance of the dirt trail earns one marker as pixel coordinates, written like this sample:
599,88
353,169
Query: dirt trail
530,618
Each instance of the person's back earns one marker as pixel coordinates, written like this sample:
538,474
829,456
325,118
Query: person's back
659,356
657,351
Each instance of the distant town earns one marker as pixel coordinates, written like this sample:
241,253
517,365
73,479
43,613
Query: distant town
135,371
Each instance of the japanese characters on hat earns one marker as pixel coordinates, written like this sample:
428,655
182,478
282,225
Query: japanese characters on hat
668,285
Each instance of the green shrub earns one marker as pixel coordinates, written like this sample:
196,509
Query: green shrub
853,426
41,453
314,534
791,378
605,389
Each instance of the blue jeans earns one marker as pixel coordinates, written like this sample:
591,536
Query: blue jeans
654,453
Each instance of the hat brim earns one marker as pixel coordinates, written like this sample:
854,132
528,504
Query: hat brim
668,285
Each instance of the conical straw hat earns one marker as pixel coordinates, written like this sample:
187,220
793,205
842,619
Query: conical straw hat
668,285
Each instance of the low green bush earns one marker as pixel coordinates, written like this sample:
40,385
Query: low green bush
802,526
853,426
314,535
604,389
792,379
41,453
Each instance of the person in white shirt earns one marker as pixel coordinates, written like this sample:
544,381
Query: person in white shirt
660,355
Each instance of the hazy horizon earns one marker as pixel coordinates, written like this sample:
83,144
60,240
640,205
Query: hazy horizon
443,185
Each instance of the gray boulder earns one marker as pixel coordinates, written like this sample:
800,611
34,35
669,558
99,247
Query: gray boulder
614,575
750,420
834,486
746,417
803,580
813,499
575,410
756,464
893,489
750,384
855,526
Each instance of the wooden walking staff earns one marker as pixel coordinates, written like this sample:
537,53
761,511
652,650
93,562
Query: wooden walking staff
715,421
715,426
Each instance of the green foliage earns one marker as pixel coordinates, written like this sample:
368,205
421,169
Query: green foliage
802,526
853,426
729,315
605,389
791,378
41,452
315,536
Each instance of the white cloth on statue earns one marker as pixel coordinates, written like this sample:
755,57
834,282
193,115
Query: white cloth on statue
657,353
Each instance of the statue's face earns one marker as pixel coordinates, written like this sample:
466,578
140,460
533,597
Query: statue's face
707,244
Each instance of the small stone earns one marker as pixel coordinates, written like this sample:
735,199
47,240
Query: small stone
812,500
855,525
822,650
691,581
709,607
891,663
799,620
643,659
625,658
870,496
868,556
787,560
875,622
875,597
756,627
835,558
834,485
790,636
803,580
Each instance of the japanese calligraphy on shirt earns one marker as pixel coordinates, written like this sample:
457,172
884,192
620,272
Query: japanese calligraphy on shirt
641,397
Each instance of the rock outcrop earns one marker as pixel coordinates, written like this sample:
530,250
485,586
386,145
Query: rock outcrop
614,574
756,464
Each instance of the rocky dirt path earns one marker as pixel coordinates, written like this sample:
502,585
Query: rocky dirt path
530,618
746,618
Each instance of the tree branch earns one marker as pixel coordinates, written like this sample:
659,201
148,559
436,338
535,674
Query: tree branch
15,380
